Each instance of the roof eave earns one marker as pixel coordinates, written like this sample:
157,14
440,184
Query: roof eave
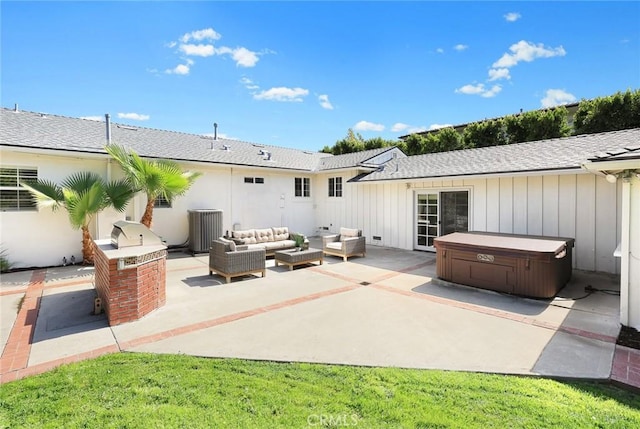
614,164
559,171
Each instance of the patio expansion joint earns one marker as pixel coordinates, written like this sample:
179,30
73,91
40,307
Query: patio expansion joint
198,326
15,356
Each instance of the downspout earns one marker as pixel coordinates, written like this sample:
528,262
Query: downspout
231,198
624,251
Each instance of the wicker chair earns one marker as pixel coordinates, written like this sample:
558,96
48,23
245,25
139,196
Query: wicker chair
349,242
234,263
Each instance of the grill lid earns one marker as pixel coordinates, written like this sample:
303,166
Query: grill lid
126,234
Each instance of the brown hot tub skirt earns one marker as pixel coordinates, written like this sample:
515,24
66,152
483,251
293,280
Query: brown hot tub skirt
531,266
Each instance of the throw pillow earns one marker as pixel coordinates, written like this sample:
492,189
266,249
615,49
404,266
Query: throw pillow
230,243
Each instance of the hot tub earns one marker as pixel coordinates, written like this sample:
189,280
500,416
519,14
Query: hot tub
525,265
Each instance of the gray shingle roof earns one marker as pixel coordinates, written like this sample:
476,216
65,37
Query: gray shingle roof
44,131
543,155
628,152
350,159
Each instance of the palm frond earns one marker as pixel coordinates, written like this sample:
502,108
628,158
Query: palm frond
46,193
119,193
81,182
82,206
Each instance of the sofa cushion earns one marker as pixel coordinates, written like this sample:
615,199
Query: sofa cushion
335,245
280,233
264,235
349,233
229,244
281,244
247,236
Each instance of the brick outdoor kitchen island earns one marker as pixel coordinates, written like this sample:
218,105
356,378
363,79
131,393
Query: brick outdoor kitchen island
130,280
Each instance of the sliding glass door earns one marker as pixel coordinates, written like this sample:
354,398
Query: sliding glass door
439,213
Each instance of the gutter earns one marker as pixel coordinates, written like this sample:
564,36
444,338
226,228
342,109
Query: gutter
559,171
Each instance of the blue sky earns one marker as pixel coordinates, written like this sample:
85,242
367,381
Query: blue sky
300,74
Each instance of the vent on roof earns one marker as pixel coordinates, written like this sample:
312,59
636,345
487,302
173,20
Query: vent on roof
257,145
267,155
226,147
126,127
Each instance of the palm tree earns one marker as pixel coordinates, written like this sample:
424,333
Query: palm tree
155,178
83,195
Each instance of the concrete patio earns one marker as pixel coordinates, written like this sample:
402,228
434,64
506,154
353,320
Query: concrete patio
383,310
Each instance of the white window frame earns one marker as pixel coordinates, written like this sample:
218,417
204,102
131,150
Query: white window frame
335,187
304,191
161,203
29,203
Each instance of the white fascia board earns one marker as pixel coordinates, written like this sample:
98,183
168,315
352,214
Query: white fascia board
620,164
345,169
484,176
63,153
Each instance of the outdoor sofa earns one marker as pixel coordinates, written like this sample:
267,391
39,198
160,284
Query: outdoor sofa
269,239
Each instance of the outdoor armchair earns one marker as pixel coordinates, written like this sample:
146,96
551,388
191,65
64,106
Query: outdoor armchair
349,242
229,260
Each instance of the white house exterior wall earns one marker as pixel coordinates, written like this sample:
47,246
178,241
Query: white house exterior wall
43,237
582,206
247,205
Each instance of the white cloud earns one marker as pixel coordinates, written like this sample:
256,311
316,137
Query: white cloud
460,47
324,102
497,74
512,16
556,97
133,116
406,128
416,130
248,83
439,126
399,126
282,94
526,51
471,89
93,118
188,46
199,50
182,69
206,34
368,126
242,56
440,51
480,90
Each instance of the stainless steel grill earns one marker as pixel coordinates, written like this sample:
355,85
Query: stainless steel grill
127,234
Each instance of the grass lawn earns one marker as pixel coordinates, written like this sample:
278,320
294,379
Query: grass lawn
148,390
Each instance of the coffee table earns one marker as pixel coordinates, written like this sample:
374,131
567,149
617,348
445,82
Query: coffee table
293,257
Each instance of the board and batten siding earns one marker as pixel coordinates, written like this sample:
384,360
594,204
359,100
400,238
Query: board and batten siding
581,206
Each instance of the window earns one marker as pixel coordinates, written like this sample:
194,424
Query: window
258,180
248,180
162,203
302,187
335,186
12,195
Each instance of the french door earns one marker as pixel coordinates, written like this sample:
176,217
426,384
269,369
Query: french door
439,213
